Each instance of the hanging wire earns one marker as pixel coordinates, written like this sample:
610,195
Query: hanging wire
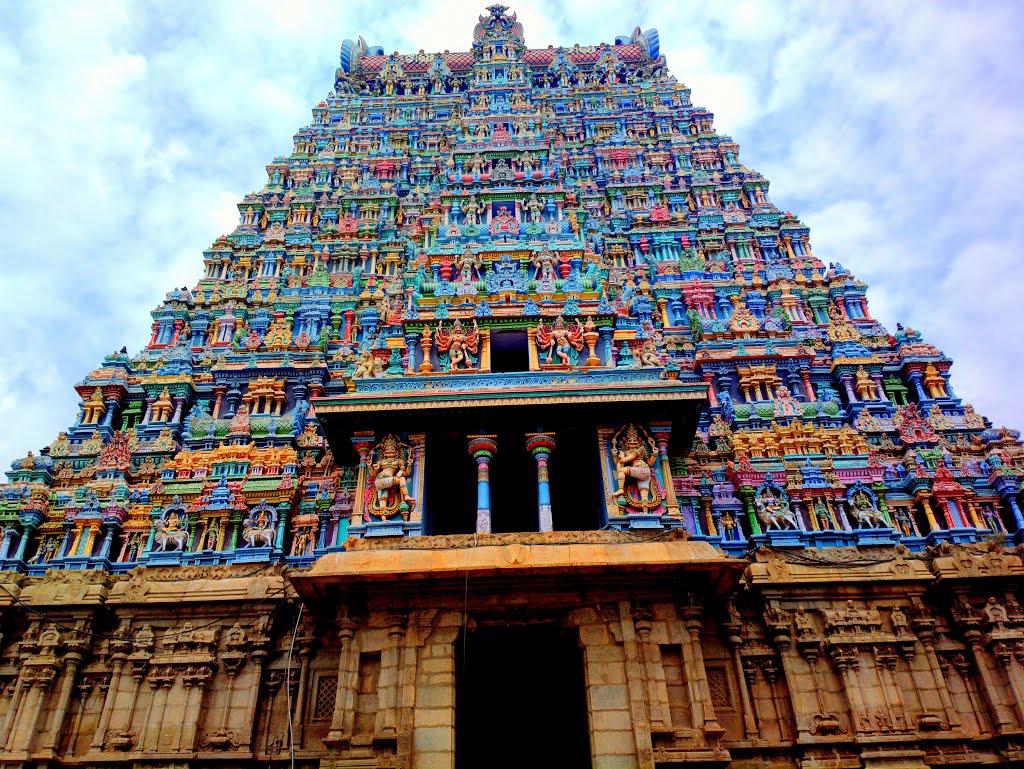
288,688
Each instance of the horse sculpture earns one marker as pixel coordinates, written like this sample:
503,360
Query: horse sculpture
774,514
258,537
169,538
866,514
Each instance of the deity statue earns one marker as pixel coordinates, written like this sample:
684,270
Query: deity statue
562,341
773,509
547,270
460,345
635,454
864,509
471,209
468,264
387,489
171,530
535,207
212,535
649,355
258,530
368,366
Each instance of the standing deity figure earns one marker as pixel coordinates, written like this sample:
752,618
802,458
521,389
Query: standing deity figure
461,345
387,491
535,207
635,455
562,341
468,264
471,209
547,270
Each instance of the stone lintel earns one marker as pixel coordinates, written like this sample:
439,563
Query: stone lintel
954,563
826,566
516,560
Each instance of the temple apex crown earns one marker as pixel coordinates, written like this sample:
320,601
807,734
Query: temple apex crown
497,26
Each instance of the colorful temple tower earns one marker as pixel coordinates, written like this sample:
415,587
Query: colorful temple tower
513,422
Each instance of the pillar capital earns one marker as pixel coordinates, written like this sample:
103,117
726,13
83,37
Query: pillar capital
483,446
540,443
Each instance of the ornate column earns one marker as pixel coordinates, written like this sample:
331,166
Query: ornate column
709,380
363,443
734,639
541,445
923,625
916,380
390,680
338,736
805,377
661,433
933,525
692,614
483,448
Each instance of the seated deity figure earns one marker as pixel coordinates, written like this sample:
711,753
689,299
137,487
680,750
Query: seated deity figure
388,490
368,366
865,510
638,486
774,512
649,356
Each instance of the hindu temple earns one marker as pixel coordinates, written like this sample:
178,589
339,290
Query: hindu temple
514,425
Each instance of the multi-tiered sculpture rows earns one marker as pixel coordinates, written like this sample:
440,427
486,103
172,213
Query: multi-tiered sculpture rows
438,198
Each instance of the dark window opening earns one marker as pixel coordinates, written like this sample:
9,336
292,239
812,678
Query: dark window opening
449,485
575,479
509,351
513,486
518,688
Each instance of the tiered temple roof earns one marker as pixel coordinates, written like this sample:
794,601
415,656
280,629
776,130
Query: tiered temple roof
552,237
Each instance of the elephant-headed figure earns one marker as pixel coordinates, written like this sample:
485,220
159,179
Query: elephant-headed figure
171,529
259,529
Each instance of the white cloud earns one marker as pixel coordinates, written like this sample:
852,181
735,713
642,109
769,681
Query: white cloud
129,132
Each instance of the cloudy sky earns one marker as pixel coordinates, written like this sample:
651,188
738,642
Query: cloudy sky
128,131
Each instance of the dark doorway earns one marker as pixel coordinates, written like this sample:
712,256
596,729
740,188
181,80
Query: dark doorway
513,485
520,699
509,351
575,473
450,485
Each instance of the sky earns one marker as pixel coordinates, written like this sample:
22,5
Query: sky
130,130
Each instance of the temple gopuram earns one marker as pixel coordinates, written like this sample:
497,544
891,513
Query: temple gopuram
513,425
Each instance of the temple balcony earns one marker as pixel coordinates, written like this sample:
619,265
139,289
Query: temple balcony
513,452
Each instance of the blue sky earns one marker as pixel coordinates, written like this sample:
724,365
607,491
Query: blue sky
128,131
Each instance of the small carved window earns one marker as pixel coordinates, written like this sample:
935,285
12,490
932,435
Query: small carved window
719,689
326,692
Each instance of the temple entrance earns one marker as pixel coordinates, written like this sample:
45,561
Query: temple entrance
520,699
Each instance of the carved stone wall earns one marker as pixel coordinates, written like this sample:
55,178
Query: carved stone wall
816,658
